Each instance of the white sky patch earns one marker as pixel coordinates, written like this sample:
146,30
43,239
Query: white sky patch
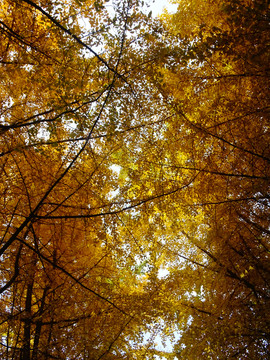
115,168
160,344
162,273
158,7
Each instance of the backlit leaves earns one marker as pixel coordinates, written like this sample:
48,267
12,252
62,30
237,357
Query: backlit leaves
134,181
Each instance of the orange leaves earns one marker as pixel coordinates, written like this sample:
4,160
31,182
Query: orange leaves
70,257
134,185
219,112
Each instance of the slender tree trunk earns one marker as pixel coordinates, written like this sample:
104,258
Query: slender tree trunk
27,324
49,341
26,349
39,326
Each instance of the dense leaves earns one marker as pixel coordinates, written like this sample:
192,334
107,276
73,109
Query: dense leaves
134,180
217,85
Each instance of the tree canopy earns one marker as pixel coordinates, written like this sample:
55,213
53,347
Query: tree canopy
135,167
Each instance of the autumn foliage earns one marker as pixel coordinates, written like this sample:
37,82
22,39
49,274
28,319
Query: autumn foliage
135,167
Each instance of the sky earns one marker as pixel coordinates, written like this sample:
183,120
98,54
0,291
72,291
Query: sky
156,6
159,5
